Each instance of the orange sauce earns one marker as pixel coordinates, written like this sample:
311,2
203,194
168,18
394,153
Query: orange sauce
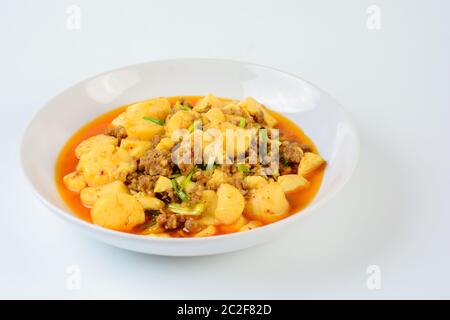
67,162
299,199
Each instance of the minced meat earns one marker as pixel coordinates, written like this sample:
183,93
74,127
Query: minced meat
118,132
196,194
167,196
259,117
201,177
156,162
291,151
173,221
140,182
185,168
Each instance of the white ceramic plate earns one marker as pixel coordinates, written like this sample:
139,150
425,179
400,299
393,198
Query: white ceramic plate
319,115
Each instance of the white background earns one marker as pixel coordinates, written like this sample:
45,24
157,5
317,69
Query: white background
393,82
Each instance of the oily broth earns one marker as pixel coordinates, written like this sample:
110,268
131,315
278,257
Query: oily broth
300,199
67,162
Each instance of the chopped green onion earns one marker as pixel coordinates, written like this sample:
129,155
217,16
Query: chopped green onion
154,120
146,225
195,210
242,123
175,175
187,179
241,167
178,105
284,161
180,193
263,143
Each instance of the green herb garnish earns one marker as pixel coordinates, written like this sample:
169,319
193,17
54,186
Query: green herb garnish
244,168
180,106
180,193
195,210
146,225
186,180
154,120
242,122
263,143
285,162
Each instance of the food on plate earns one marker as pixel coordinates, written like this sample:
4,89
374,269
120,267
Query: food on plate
188,167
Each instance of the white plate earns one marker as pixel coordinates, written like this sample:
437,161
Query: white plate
319,115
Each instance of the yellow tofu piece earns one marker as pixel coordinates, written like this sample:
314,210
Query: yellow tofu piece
232,105
139,128
218,177
118,211
208,101
95,142
142,129
105,164
162,184
207,232
180,120
292,182
235,226
119,120
209,198
165,144
90,195
255,182
253,107
148,202
267,204
135,148
214,115
230,204
155,108
251,225
74,181
309,163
